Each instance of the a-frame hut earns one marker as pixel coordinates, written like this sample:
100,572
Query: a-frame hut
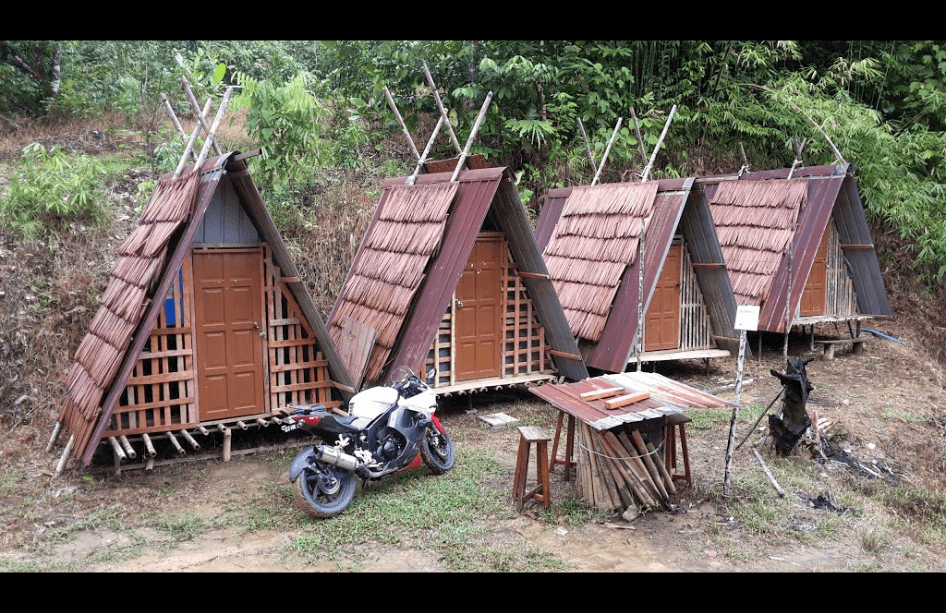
590,239
449,278
802,234
204,325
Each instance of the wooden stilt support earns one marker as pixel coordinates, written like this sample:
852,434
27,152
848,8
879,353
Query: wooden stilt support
569,459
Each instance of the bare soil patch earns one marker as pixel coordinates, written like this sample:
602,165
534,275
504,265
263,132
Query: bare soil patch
889,401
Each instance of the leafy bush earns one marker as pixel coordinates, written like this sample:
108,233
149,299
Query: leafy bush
284,121
51,188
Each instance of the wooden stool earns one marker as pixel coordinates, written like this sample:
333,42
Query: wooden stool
542,492
568,460
670,447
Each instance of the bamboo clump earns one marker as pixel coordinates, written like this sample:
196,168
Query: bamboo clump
619,470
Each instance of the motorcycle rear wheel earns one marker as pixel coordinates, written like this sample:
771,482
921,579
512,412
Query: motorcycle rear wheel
437,450
323,490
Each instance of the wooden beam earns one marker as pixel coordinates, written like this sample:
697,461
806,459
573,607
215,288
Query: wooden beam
595,395
623,401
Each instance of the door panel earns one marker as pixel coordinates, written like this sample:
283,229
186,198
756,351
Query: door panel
478,322
813,298
228,321
662,320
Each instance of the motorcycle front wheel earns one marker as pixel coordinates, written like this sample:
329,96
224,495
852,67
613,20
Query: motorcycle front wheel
323,490
437,450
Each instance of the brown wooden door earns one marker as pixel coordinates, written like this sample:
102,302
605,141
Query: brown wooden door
662,320
476,310
228,321
814,297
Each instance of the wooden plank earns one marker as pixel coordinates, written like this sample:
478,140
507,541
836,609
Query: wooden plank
655,475
637,465
609,487
595,395
616,449
355,346
625,400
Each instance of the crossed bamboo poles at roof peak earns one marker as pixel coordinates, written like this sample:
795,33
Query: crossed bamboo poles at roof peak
202,113
443,120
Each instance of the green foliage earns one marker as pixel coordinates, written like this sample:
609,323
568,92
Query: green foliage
284,121
27,78
317,104
50,189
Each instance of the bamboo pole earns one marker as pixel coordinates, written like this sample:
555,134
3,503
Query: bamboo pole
189,147
212,135
649,463
607,150
469,141
653,155
630,477
175,121
116,449
55,435
591,158
177,445
662,469
149,446
640,298
751,430
190,439
637,132
65,456
193,102
423,158
823,133
129,450
768,473
227,439
443,111
636,463
400,120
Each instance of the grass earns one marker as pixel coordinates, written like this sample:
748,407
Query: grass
450,516
904,416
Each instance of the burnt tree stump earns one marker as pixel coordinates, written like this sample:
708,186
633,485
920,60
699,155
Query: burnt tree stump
792,422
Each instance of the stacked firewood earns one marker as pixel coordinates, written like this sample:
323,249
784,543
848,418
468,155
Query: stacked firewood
619,469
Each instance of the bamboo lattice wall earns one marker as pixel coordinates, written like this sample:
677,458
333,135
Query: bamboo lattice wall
298,372
695,327
841,299
160,393
525,348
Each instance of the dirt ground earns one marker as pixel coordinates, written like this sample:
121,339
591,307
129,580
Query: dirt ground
871,394
890,403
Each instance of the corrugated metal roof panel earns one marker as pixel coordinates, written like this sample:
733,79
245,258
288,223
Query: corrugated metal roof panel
607,293
760,270
667,397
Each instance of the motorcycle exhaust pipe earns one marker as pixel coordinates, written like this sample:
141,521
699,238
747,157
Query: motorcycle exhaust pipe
333,456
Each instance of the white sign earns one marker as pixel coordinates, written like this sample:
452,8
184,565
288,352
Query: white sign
747,317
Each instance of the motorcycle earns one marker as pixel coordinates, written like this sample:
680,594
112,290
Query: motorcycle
386,430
